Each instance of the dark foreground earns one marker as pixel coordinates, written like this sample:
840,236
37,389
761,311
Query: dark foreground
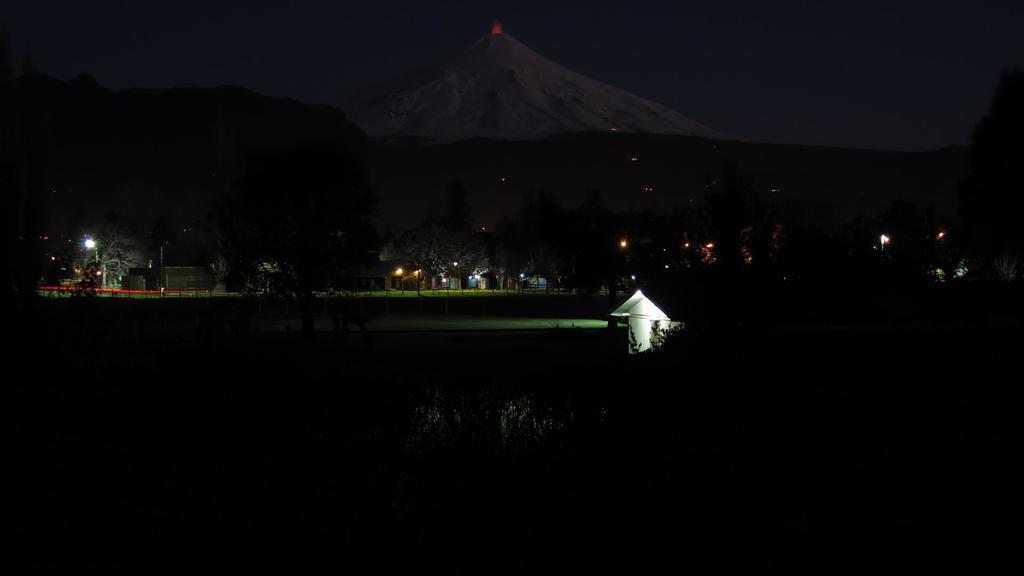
874,447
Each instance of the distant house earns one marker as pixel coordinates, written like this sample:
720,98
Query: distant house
645,319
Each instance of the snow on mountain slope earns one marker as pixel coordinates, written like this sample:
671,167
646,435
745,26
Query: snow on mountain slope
501,89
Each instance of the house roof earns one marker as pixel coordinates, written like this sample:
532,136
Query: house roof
639,304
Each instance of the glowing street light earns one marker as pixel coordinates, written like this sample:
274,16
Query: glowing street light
940,235
623,243
884,240
90,244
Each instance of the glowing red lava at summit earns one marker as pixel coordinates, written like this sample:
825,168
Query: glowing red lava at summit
496,28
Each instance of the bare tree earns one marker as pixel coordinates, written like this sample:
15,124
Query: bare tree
112,253
442,251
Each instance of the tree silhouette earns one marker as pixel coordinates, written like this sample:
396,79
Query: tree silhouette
295,220
737,219
115,253
992,195
8,179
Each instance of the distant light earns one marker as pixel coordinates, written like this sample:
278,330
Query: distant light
399,271
633,158
632,276
521,275
710,245
940,235
455,263
99,273
497,29
884,239
686,245
623,243
53,258
89,243
666,266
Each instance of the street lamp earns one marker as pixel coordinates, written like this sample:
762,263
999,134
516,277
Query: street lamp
456,264
623,244
884,240
399,272
90,244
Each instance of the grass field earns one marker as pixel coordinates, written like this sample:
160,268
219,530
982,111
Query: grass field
438,323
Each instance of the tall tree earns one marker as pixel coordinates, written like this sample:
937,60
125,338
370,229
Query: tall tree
992,195
9,190
735,216
114,252
295,220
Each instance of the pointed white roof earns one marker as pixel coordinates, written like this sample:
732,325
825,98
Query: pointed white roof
641,306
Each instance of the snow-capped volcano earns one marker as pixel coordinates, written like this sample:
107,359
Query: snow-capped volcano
501,89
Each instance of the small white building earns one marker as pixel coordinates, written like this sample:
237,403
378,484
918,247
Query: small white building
644,319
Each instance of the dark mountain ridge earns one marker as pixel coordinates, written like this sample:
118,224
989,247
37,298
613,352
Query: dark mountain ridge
166,156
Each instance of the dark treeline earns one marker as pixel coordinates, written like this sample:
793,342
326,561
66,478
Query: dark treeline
729,227
151,172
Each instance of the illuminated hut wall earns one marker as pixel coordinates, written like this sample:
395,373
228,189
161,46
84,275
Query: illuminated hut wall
642,316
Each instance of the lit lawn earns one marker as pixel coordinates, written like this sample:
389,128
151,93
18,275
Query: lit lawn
439,323
469,323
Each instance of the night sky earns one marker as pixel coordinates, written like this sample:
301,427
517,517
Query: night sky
916,75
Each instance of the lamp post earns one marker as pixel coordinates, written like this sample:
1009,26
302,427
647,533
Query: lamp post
162,279
459,278
90,244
